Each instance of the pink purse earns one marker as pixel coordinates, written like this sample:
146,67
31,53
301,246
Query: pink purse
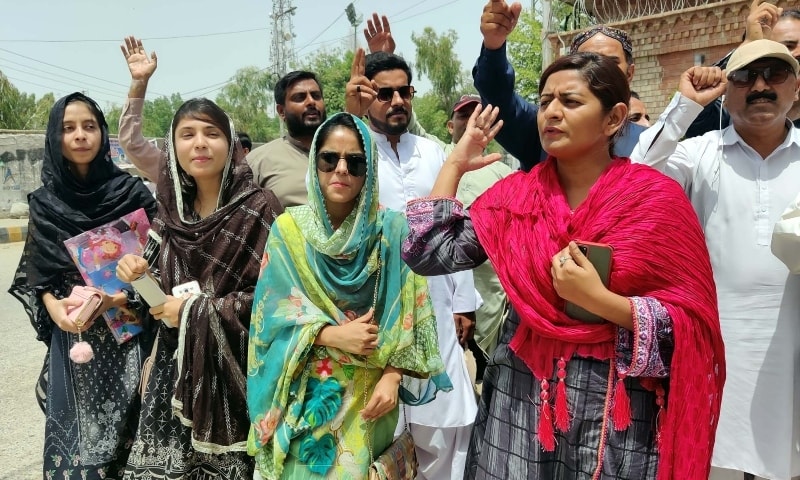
80,315
90,302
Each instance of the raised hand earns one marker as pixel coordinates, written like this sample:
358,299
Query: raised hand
140,65
762,17
359,92
481,129
379,35
702,84
498,21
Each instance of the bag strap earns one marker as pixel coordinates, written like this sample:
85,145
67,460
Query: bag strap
374,306
147,366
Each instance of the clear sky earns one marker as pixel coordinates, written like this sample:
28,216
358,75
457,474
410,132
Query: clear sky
61,47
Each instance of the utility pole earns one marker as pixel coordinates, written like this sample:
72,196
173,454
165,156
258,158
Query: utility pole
282,45
547,28
355,21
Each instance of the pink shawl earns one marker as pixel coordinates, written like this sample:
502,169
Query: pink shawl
659,252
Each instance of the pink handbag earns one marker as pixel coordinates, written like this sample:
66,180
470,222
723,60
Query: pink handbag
80,315
90,302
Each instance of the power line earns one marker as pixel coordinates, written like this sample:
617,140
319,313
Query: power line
424,11
71,71
116,40
220,85
53,90
58,78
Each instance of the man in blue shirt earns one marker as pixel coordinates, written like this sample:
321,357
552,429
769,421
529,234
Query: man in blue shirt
494,78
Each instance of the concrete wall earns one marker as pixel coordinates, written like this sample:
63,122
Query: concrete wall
21,156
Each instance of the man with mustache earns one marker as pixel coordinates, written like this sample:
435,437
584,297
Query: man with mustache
380,86
739,180
281,165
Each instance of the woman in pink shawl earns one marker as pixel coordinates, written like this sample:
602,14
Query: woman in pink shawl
634,395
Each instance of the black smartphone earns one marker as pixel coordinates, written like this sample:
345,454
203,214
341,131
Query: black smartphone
600,256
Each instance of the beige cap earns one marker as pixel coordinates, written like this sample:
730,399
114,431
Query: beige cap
757,49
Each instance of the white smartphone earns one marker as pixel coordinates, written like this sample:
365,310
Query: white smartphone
150,290
186,289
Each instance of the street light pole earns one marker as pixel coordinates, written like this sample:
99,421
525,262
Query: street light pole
547,47
355,21
282,48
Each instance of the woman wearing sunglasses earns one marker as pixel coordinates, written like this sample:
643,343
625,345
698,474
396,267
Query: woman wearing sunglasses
337,320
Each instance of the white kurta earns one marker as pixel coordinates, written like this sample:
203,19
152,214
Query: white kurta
786,237
739,197
411,176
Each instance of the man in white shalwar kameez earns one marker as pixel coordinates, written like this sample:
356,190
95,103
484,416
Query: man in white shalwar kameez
407,168
740,180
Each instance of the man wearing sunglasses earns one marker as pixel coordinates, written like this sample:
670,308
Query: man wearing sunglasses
407,168
282,164
740,179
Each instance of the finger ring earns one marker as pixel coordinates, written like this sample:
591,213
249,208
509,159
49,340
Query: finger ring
563,259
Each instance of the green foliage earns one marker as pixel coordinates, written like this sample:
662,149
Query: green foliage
247,99
41,112
437,61
15,107
525,52
431,116
571,16
112,118
333,71
157,115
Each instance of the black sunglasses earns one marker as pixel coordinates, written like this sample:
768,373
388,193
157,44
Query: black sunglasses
356,162
385,94
746,77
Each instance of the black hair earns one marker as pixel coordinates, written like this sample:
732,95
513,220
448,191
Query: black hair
790,13
603,77
244,139
93,107
286,82
339,120
635,95
205,110
381,61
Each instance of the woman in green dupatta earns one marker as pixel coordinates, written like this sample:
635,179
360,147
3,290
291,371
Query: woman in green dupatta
337,319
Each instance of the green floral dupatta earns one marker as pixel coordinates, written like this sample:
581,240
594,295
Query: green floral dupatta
313,276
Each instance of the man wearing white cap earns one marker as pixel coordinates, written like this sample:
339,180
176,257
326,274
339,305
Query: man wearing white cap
739,180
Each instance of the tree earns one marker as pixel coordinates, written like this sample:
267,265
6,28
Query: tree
157,115
112,118
247,98
525,52
437,61
15,107
333,71
432,116
41,112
